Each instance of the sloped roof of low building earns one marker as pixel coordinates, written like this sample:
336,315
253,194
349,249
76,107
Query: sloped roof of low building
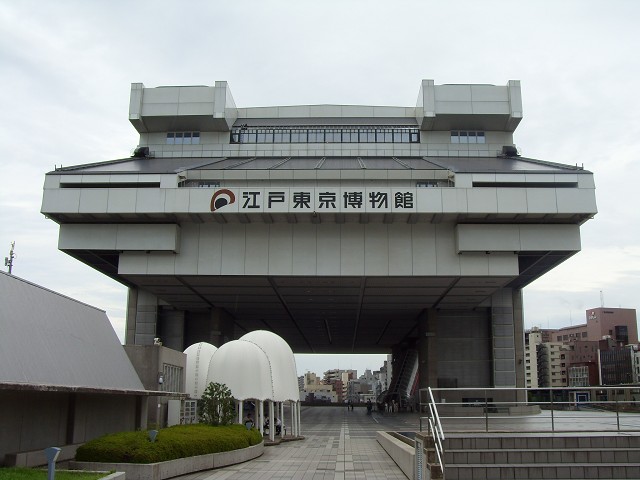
50,342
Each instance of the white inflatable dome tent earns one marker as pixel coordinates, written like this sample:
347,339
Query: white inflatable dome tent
260,366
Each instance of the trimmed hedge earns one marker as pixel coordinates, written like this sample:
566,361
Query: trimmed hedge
174,442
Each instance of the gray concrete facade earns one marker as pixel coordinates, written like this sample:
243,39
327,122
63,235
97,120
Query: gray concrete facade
341,228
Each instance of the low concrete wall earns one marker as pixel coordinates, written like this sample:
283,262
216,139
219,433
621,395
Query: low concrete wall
173,468
399,451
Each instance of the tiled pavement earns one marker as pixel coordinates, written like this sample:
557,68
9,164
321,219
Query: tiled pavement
338,445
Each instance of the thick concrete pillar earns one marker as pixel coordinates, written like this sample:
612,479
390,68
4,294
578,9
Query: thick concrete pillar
171,329
427,349
215,327
503,338
142,317
518,330
221,327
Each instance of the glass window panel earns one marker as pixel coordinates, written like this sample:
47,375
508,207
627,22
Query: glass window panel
388,136
371,136
262,137
178,138
313,136
463,137
480,137
282,136
298,136
170,138
349,136
397,136
195,138
471,137
251,136
454,137
414,137
186,138
405,136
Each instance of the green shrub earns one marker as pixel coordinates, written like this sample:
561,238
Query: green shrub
216,406
171,443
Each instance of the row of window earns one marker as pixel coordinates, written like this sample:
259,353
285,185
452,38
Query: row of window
572,335
459,136
183,138
326,135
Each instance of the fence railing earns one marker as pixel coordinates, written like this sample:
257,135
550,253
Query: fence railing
434,428
556,409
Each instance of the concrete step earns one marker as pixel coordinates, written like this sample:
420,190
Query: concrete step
549,441
546,471
534,455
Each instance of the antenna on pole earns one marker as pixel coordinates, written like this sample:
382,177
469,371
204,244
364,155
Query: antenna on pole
601,299
8,261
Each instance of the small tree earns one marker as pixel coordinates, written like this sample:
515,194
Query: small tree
216,406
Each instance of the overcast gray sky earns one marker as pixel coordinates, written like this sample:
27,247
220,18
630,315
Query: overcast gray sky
66,69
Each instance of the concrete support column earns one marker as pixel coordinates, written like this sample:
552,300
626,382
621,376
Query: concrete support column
427,349
503,338
171,329
221,327
142,317
518,327
215,327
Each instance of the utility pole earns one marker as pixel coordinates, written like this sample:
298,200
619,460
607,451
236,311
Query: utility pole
8,261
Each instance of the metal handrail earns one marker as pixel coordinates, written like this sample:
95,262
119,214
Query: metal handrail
553,405
435,429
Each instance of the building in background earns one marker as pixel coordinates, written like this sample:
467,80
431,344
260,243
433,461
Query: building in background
603,351
620,324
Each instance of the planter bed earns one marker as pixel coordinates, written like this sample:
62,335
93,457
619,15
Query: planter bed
173,468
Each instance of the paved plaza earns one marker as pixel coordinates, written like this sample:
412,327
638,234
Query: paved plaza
341,444
338,444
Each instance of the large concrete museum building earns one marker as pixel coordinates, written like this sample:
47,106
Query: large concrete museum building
341,228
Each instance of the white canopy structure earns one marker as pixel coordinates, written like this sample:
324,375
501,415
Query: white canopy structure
259,366
283,364
244,368
198,359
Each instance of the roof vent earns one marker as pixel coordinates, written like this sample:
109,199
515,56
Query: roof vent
509,151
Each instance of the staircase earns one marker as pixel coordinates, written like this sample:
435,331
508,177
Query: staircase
538,456
404,379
